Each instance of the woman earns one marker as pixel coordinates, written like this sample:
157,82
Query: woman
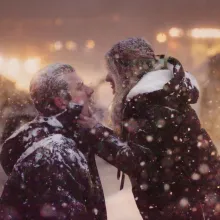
151,108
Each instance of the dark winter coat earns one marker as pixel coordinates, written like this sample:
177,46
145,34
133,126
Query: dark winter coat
52,173
184,181
181,180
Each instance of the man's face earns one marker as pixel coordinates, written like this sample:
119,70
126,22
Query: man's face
80,93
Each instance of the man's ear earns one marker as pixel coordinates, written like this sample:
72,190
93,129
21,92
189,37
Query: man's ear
60,103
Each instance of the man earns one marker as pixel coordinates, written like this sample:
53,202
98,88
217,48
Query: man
51,170
151,108
50,161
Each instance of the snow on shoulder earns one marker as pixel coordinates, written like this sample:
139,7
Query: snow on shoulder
58,147
48,143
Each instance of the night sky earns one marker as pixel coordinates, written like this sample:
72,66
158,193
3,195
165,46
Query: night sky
183,12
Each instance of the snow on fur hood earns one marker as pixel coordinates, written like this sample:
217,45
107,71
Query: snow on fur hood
170,80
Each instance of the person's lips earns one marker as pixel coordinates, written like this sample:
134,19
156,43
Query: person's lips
113,87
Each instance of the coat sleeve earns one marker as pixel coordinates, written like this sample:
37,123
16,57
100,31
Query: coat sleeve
179,137
127,157
10,152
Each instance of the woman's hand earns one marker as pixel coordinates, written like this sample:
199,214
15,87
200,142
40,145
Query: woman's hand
87,122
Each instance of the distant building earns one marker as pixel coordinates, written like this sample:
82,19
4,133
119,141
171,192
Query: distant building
210,101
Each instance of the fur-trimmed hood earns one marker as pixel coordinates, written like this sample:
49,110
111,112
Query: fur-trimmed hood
164,83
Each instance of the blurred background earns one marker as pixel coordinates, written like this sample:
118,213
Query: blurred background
79,32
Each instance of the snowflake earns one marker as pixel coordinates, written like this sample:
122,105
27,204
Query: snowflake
160,123
117,56
177,87
184,202
95,211
64,205
194,209
149,138
169,152
166,187
199,144
211,199
93,131
38,156
106,134
175,138
48,211
142,163
204,168
126,124
213,153
144,187
195,176
22,186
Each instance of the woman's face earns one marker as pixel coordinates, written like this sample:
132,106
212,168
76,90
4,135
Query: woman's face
113,77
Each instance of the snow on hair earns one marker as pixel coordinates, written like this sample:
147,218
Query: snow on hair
47,83
127,60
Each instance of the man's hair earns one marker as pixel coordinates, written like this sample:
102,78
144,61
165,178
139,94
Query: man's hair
47,84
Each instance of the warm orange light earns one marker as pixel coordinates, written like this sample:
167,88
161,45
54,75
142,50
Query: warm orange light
13,67
161,37
58,22
1,62
70,45
175,32
32,65
58,45
173,45
90,44
205,33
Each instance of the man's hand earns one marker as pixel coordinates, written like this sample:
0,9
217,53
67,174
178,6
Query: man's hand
87,122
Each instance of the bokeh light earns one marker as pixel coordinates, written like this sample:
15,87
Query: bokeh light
70,45
58,21
90,44
161,37
32,65
58,45
205,33
173,45
175,32
13,67
1,62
